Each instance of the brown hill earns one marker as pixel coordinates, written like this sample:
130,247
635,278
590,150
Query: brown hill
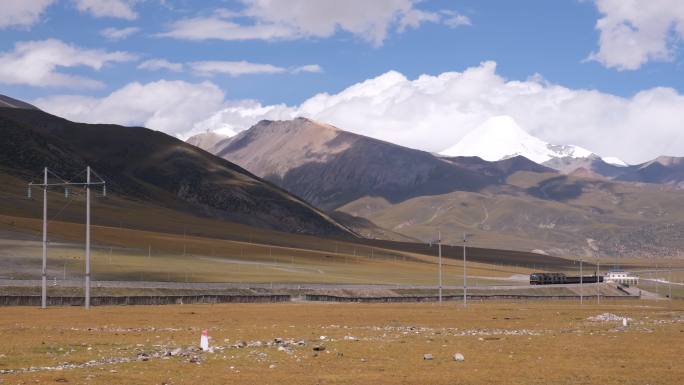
150,166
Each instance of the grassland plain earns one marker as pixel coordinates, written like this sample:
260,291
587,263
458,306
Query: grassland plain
503,343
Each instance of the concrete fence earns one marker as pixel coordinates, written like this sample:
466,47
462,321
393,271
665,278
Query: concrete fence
477,297
34,300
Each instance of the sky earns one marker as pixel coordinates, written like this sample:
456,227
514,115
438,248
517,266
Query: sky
607,75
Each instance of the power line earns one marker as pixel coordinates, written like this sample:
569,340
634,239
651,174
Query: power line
66,184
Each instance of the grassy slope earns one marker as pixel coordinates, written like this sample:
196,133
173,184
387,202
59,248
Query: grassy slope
152,167
584,218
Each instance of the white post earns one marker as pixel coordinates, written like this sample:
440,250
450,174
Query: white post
43,298
439,248
465,275
87,251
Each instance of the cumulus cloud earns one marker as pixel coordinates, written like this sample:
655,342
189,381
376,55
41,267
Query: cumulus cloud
36,63
160,64
434,112
429,112
122,9
633,32
169,106
295,19
22,13
119,33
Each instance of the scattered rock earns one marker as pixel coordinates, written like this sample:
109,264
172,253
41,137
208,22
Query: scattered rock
175,352
459,357
319,348
607,317
427,357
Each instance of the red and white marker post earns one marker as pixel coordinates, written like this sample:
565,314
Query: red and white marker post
204,340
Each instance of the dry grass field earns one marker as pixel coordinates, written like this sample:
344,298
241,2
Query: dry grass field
139,255
502,342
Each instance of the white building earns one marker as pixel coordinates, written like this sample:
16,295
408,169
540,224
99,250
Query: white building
621,277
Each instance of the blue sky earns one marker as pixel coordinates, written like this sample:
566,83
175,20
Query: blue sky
547,43
551,38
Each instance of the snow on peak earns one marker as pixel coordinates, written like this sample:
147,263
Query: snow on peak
500,137
614,161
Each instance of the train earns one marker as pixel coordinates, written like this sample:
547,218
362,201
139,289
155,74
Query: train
560,278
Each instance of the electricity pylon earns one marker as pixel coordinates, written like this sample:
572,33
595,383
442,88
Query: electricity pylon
66,184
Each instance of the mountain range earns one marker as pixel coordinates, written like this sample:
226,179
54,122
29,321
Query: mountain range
501,137
143,165
595,208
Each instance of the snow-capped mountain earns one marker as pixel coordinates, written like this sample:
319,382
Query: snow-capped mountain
614,161
500,137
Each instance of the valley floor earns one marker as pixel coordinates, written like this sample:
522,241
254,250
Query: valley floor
305,343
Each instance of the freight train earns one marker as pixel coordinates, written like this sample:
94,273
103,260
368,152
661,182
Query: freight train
560,278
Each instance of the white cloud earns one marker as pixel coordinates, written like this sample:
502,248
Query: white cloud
429,112
22,13
455,19
434,112
122,9
312,68
36,63
119,33
169,106
296,19
633,32
233,68
159,64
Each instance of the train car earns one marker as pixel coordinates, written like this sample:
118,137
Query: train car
584,279
560,278
547,278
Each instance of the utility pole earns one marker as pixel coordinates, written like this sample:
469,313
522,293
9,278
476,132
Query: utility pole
598,280
656,279
66,184
43,290
439,251
465,273
87,250
669,281
581,279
